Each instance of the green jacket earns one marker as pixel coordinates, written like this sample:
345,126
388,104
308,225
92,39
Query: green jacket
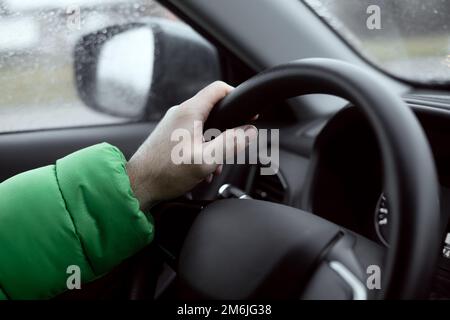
80,211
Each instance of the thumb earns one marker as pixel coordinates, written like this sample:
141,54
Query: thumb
228,144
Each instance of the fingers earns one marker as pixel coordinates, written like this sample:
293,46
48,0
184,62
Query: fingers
219,170
228,144
208,97
237,140
205,100
209,178
216,173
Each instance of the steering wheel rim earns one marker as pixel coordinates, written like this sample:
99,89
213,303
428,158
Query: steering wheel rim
410,174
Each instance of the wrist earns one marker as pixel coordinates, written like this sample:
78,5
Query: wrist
139,186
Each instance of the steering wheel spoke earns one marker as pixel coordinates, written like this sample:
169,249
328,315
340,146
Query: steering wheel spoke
342,273
246,249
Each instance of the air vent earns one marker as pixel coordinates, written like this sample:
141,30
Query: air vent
428,100
269,188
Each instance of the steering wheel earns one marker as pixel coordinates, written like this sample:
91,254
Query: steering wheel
248,249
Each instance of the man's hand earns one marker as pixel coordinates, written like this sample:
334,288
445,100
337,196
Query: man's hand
153,174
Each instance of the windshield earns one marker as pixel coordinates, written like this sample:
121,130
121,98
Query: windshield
408,38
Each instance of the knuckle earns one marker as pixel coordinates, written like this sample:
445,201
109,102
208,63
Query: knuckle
219,84
172,110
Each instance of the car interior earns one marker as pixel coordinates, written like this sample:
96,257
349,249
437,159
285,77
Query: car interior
363,179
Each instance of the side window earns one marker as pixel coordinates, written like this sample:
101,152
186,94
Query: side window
37,40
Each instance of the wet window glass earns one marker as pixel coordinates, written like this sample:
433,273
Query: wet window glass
407,38
37,40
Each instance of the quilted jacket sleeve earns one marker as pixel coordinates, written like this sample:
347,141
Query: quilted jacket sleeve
79,212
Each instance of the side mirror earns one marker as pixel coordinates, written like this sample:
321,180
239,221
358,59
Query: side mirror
139,70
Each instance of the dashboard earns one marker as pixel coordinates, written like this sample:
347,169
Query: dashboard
332,168
348,173
345,180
